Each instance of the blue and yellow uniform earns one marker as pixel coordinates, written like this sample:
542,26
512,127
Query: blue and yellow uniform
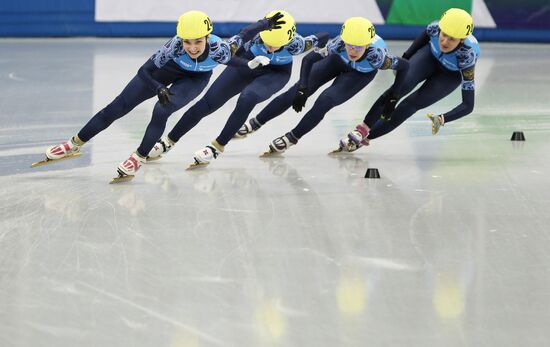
441,72
350,76
170,66
254,85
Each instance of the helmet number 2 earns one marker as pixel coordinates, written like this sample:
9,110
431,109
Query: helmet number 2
469,29
372,32
208,23
291,32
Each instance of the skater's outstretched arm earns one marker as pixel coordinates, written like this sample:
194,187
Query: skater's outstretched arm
324,49
221,52
468,97
466,55
418,43
320,42
307,63
380,58
246,34
168,51
145,72
300,44
389,61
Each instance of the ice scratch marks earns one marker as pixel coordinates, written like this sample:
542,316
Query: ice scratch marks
152,313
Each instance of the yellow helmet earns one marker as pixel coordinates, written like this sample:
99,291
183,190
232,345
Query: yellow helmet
456,23
193,25
282,36
357,31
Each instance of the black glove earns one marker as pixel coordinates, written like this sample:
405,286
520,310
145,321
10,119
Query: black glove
274,22
389,107
163,94
300,98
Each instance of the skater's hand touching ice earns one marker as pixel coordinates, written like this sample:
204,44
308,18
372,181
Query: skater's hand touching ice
437,122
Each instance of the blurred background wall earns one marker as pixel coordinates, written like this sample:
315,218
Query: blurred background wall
502,20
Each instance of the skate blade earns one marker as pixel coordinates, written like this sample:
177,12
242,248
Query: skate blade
50,161
269,154
154,158
239,137
196,165
121,179
337,151
341,151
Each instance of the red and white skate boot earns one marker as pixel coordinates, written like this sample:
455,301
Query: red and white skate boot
128,168
64,150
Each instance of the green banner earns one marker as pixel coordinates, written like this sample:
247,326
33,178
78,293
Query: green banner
422,12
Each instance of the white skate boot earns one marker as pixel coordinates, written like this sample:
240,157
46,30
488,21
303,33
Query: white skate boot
204,156
248,128
280,144
356,139
66,150
160,148
128,168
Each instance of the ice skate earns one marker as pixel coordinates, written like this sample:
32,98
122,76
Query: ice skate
342,146
280,145
347,146
336,151
128,168
204,156
122,177
356,139
65,150
248,128
49,161
270,152
196,165
163,146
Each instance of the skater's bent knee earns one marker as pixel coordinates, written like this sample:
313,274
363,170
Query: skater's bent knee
248,97
161,113
324,103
